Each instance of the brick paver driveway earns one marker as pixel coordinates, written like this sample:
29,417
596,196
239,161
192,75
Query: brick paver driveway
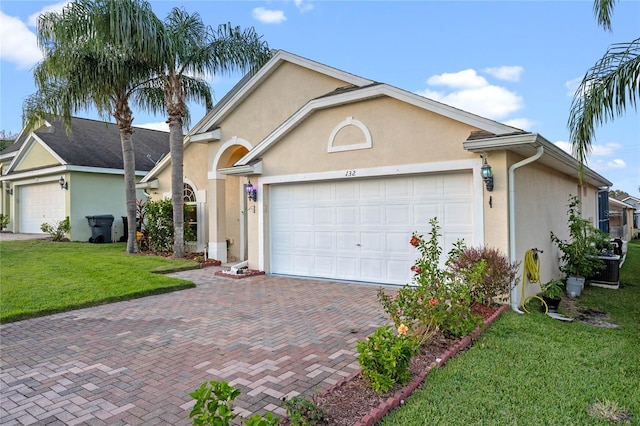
135,362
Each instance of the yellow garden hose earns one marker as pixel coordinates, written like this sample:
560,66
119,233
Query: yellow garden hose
532,273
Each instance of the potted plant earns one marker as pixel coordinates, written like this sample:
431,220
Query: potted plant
552,294
579,252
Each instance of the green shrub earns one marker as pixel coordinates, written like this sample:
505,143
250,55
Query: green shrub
302,411
384,358
59,231
214,404
158,223
4,221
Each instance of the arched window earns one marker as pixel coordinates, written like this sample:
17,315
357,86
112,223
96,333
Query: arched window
190,213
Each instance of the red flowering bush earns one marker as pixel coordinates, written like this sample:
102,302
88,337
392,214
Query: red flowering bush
437,299
498,275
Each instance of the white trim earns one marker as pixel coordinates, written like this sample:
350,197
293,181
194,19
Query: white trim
471,165
214,174
376,91
67,168
218,251
213,135
349,121
251,169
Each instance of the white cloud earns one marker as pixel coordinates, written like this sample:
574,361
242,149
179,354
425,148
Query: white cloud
162,126
473,93
303,5
33,19
607,165
565,146
269,16
520,123
467,79
605,150
19,45
508,73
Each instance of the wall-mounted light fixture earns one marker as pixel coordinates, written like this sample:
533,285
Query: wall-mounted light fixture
7,187
63,184
252,192
487,175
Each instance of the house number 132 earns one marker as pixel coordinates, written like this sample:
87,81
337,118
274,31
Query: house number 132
350,173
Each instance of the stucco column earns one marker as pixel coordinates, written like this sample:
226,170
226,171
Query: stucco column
217,220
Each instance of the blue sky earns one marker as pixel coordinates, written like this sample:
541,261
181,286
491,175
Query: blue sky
517,62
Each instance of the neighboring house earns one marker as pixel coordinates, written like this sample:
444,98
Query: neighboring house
620,219
635,202
48,174
346,169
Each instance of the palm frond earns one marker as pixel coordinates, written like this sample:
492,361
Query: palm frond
606,90
603,9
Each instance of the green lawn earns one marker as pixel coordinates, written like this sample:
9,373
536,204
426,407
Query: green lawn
533,370
42,277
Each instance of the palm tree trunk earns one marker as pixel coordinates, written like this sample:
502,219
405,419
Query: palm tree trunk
177,197
124,119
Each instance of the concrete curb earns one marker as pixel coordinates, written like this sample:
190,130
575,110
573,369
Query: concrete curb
376,414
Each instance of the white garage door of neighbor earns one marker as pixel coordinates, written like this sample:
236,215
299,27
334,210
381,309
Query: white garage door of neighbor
359,230
40,203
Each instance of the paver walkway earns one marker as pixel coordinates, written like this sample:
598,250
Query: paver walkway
136,362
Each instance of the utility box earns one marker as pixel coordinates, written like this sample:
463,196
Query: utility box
100,228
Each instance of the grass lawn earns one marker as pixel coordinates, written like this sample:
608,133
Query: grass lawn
42,277
533,370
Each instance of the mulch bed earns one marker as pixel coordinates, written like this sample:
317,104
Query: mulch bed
353,402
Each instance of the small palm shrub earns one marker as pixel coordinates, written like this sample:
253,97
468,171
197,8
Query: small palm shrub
58,231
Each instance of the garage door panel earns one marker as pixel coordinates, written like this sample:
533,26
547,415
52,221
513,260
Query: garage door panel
371,189
457,184
360,229
398,243
398,189
303,216
40,203
325,266
457,214
372,215
372,242
398,214
323,215
324,240
323,192
423,213
346,240
346,216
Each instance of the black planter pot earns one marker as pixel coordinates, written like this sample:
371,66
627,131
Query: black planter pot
552,304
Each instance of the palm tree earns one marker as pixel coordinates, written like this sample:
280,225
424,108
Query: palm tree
193,51
606,89
93,57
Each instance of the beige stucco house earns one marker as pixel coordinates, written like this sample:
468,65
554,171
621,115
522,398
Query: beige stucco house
621,219
49,174
345,169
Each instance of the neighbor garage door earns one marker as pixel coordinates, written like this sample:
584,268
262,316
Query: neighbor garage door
360,229
40,203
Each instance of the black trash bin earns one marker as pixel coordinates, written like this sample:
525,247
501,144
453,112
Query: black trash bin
100,228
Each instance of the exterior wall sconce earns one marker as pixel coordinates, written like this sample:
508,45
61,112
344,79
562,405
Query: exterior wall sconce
63,184
252,192
7,187
487,175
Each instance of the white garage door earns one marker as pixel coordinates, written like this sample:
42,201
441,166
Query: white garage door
360,229
40,203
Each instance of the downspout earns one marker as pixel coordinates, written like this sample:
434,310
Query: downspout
512,218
